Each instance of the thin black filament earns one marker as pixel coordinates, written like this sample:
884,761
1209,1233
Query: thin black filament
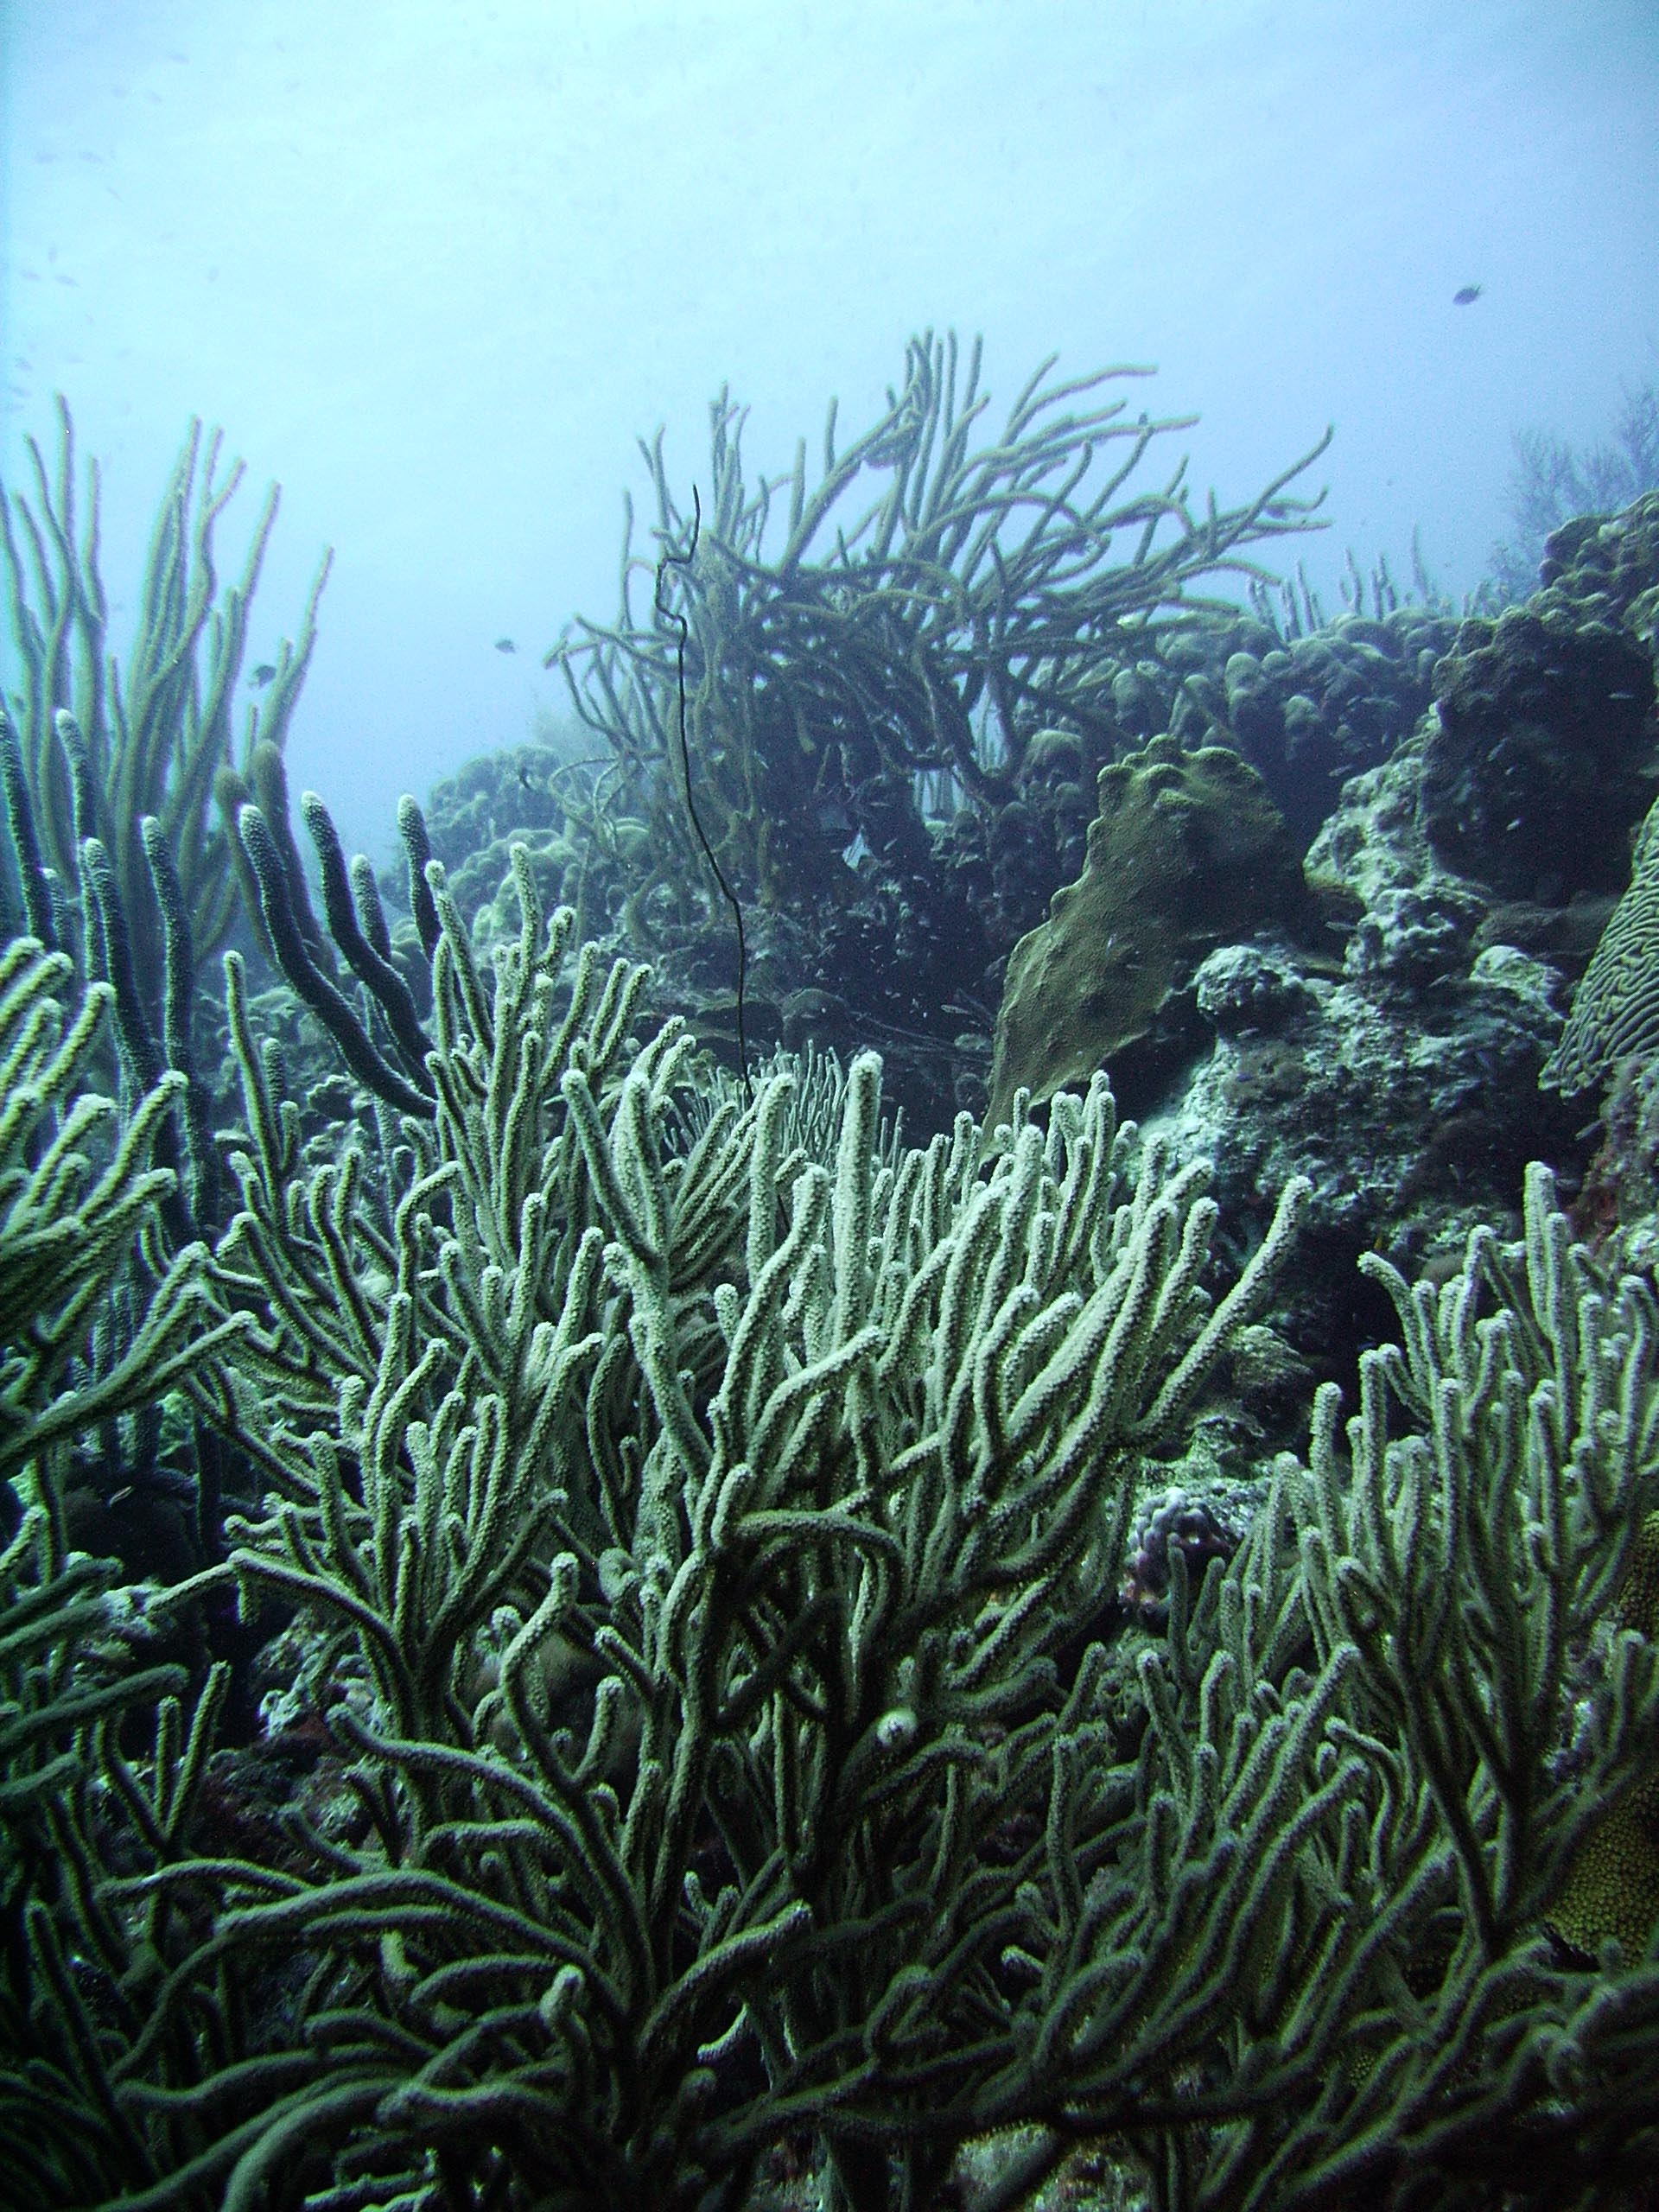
684,561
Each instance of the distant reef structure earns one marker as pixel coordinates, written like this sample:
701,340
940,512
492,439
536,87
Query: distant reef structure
942,808
902,679
1552,482
901,676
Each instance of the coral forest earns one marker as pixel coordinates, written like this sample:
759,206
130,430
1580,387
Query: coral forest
895,1445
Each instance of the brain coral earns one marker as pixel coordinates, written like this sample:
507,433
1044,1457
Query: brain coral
1613,1884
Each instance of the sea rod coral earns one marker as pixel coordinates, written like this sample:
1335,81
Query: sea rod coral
106,740
693,1528
711,1731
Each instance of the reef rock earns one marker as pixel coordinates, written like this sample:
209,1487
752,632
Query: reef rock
1308,709
1538,761
1187,852
1405,1088
1390,1053
1604,564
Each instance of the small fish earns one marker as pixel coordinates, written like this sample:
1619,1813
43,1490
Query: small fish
1465,297
265,673
505,646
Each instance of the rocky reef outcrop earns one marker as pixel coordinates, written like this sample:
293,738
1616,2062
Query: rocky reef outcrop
1538,760
1307,706
1187,850
1383,1033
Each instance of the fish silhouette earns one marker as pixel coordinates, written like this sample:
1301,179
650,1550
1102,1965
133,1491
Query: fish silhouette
505,646
258,678
1466,297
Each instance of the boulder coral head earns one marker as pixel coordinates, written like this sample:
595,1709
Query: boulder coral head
1607,565
1539,759
1187,852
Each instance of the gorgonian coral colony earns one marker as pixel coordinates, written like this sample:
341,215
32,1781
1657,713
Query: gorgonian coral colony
649,1718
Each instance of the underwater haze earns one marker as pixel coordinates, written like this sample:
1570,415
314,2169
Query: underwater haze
436,267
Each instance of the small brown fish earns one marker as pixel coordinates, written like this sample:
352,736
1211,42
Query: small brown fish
258,678
505,646
1465,297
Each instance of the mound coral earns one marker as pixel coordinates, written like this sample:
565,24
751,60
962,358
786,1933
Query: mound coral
1186,852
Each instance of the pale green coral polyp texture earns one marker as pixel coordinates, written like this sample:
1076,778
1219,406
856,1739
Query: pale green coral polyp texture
813,1446
861,1822
1612,1885
1188,851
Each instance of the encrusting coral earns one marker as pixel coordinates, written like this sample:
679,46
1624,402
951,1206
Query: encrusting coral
1186,851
